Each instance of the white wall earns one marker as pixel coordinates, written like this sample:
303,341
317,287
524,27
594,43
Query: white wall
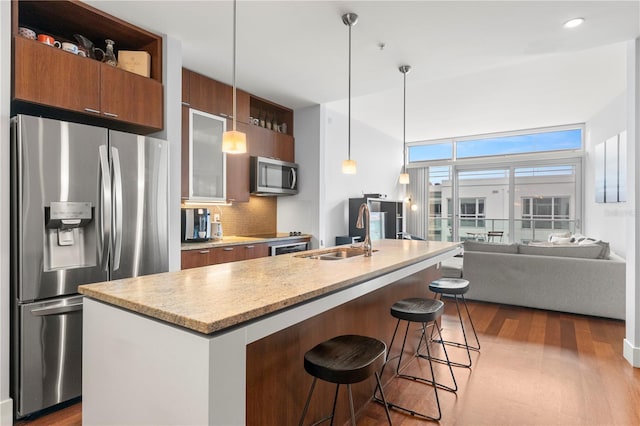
632,338
379,161
321,207
6,406
172,132
301,212
605,221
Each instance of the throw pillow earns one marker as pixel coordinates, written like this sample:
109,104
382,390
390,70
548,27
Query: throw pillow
562,241
554,235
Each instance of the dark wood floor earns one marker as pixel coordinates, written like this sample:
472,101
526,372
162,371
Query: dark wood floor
535,368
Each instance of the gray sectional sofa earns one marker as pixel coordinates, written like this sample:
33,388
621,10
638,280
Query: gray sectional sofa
581,279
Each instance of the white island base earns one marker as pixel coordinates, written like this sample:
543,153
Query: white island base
140,370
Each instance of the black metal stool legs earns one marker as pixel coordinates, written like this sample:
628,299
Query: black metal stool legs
464,335
424,380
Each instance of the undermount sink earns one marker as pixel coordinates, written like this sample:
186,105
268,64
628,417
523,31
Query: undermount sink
335,253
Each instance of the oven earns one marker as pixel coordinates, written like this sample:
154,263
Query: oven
285,248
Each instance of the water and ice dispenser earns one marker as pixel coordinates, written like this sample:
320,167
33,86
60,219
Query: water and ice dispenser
69,242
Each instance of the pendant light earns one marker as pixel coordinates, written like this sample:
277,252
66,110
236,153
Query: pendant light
234,142
404,176
349,165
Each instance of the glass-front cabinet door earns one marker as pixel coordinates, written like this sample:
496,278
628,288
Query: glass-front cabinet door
207,165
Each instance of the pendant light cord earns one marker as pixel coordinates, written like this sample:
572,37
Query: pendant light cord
349,118
234,65
404,126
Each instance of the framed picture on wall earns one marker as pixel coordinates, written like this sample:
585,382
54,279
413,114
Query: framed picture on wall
611,169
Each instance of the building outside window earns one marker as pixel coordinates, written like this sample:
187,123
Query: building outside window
545,212
510,183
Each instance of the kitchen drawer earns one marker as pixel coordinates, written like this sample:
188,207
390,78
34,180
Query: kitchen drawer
196,258
239,252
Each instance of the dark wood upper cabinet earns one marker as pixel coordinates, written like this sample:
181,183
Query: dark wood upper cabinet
208,95
58,84
284,147
47,76
130,97
214,97
260,142
205,94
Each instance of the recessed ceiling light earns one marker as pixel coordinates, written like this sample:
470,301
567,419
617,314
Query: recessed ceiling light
572,23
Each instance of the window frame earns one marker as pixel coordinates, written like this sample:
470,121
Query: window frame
512,162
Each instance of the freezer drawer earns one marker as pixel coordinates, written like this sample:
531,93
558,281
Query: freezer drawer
50,356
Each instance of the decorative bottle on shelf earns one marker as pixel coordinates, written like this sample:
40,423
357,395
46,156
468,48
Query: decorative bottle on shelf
283,127
262,119
109,55
268,122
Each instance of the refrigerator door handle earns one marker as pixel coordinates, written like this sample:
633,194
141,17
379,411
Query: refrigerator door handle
117,182
104,235
58,309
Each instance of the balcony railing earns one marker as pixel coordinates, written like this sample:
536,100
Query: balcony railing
526,230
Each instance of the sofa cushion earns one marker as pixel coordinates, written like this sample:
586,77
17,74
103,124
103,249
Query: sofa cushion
470,245
587,251
452,267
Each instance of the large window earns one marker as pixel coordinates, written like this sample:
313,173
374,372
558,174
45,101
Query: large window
487,185
567,138
432,151
520,144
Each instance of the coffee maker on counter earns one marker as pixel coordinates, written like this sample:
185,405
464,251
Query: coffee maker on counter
196,225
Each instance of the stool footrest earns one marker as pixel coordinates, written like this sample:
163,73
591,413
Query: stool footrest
444,361
429,382
406,410
457,344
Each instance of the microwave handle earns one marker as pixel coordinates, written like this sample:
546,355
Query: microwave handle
294,177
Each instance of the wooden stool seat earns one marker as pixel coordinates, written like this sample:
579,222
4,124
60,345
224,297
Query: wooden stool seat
417,309
449,286
345,359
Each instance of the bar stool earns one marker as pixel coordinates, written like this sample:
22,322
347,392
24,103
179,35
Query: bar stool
426,312
456,287
345,360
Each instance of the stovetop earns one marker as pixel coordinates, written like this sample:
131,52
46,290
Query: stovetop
276,234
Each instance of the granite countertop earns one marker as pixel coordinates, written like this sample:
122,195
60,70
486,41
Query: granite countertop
235,240
212,298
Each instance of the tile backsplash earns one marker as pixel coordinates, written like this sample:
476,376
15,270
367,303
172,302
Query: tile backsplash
258,216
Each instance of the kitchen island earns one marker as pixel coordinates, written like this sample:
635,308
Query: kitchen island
223,344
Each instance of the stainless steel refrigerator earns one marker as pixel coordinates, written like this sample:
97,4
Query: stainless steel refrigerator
88,205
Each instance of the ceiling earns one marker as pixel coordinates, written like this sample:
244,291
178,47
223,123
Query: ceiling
477,66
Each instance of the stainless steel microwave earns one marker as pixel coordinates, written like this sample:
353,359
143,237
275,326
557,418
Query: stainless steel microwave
273,177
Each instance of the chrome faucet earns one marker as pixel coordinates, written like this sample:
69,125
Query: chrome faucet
364,207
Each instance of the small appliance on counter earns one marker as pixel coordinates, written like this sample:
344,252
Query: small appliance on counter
196,225
216,230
